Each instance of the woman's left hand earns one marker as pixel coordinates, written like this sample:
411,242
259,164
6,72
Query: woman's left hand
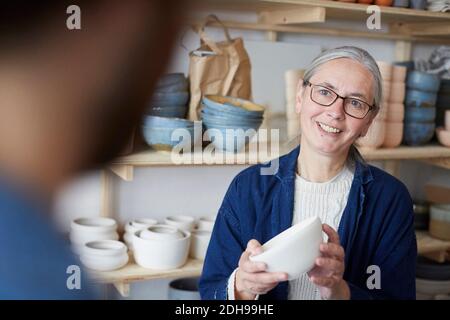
329,268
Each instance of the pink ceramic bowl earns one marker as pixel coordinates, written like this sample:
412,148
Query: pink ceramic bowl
397,92
386,70
393,134
398,73
443,136
386,90
374,137
395,112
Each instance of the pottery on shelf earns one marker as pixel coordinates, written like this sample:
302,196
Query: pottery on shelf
397,92
199,244
161,254
293,251
374,137
395,112
393,134
385,70
136,225
386,90
161,232
443,136
423,81
416,134
181,221
440,221
399,74
104,255
420,115
83,230
206,223
385,3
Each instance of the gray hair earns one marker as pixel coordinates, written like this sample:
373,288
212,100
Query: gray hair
364,58
356,54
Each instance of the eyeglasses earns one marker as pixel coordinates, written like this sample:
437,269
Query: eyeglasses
326,97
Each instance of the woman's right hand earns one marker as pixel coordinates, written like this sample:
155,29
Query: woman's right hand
252,278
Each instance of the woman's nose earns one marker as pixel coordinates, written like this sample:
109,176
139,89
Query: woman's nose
336,110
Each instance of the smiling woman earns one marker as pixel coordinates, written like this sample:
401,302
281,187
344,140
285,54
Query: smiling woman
367,214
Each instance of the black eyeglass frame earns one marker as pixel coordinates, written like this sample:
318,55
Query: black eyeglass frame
371,107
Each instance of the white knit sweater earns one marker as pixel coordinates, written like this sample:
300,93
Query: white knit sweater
326,200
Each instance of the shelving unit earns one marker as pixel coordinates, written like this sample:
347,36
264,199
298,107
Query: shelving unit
121,279
405,27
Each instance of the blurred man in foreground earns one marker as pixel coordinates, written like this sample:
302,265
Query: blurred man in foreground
69,100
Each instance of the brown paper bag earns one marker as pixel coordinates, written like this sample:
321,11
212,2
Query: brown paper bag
221,68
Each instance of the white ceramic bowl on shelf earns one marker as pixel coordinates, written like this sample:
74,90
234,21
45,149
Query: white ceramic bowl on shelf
136,225
206,223
161,232
83,230
295,250
161,254
181,222
104,255
199,244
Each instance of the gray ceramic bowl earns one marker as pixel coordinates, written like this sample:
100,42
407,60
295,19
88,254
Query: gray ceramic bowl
169,99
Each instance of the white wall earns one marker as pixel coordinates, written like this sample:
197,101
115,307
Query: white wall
198,191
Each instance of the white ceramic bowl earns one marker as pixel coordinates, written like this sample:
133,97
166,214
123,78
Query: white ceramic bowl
440,212
94,225
181,222
104,255
84,230
206,223
295,250
139,224
136,225
199,244
161,254
161,232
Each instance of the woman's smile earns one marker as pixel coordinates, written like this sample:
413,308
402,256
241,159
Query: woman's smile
328,130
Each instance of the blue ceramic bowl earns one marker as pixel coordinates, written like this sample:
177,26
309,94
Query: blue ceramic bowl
408,64
416,134
161,122
418,4
168,112
171,79
419,115
232,105
162,138
176,87
423,81
416,98
230,121
229,139
220,114
169,99
401,3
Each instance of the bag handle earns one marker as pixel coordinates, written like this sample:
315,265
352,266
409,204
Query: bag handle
204,38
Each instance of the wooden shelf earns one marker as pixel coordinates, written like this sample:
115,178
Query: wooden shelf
164,158
427,246
133,272
292,16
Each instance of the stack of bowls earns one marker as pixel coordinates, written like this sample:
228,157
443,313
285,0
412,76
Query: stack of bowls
171,97
440,221
443,133
375,136
161,247
201,236
292,79
443,102
420,112
104,255
395,108
83,230
230,122
165,133
181,222
135,225
432,278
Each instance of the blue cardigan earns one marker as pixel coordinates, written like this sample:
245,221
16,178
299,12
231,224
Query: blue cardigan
376,229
